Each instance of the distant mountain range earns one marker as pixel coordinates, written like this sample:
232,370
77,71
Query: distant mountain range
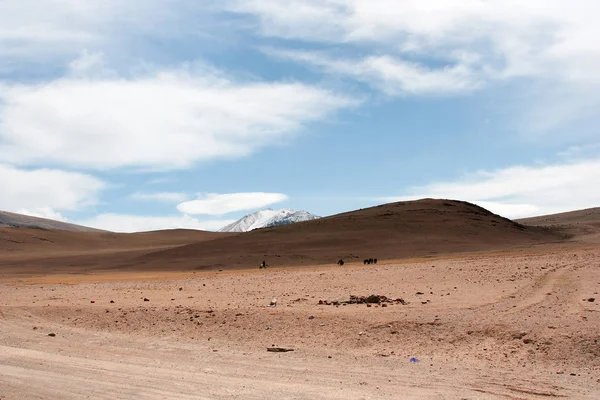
266,218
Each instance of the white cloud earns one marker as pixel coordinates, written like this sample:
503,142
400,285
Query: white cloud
450,47
46,190
522,191
218,204
393,76
167,120
536,37
54,30
138,223
43,212
88,64
167,197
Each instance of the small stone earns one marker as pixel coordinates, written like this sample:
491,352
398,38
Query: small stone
591,299
112,302
527,340
52,334
93,301
311,317
146,299
519,335
384,305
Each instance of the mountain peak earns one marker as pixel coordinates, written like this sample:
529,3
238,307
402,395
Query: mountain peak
266,218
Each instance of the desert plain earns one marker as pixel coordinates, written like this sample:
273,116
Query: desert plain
481,308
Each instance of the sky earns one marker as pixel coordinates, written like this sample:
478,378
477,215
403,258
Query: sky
132,115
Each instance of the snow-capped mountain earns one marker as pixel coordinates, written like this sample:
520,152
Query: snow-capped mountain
266,218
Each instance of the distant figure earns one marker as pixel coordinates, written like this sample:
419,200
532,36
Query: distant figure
340,262
263,265
374,261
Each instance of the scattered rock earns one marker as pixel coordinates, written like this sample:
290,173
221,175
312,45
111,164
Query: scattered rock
527,341
372,299
112,302
35,328
52,334
591,299
311,317
146,299
180,289
368,300
279,349
93,301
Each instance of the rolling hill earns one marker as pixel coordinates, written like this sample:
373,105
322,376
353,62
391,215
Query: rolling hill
580,224
14,220
427,227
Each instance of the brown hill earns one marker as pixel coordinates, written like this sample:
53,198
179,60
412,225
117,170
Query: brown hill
14,220
32,251
36,240
580,224
427,227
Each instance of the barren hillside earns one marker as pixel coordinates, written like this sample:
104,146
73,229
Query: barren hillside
426,227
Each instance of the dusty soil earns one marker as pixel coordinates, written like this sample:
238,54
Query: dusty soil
497,326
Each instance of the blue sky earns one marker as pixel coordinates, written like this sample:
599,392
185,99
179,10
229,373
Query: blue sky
139,115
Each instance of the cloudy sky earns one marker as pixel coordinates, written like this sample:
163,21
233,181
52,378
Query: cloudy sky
135,115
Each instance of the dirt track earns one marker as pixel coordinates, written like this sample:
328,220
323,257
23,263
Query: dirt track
486,327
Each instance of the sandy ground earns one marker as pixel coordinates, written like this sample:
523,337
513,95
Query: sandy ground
485,327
